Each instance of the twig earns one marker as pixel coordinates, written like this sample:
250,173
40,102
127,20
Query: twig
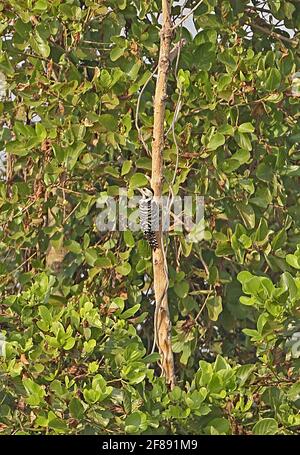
204,304
256,8
140,135
187,16
273,34
72,211
17,268
203,263
39,57
177,110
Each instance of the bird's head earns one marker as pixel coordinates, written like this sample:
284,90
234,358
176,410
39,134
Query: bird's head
146,192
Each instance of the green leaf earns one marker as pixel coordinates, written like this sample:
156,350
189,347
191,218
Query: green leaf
273,79
126,167
45,314
133,422
264,172
216,141
91,396
214,307
130,312
289,9
293,260
103,262
204,56
73,246
124,269
128,238
121,4
223,249
35,392
40,5
69,344
247,213
17,148
250,301
40,46
23,130
76,408
229,60
138,180
57,424
133,73
181,289
236,160
244,372
266,426
288,282
40,131
72,154
262,232
91,256
127,401
89,346
23,29
144,163
219,425
151,358
246,128
244,141
108,121
116,53
224,81
244,276
104,78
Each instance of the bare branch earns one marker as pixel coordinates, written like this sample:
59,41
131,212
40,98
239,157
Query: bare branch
270,32
140,135
160,269
187,15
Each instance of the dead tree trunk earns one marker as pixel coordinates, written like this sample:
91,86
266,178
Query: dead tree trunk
163,323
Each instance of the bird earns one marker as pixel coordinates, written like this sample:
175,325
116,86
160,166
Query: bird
149,216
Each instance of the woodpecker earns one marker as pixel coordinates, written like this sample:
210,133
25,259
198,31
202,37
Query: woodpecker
149,216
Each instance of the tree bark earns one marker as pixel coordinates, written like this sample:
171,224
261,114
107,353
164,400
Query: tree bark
160,272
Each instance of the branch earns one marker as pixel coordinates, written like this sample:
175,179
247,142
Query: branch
162,323
187,16
256,8
140,134
276,35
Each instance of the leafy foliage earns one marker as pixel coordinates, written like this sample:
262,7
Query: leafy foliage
75,308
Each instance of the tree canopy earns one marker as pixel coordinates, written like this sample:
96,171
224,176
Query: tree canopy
76,305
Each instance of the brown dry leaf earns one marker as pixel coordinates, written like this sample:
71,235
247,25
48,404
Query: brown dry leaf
23,359
106,299
134,47
2,427
34,20
32,417
46,145
49,68
61,108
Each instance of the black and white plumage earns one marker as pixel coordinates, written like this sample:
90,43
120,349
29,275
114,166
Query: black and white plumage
149,217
